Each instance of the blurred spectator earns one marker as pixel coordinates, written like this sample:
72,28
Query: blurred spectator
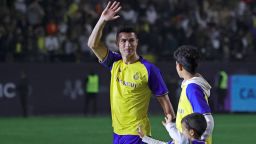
70,48
221,84
35,13
51,28
23,92
19,51
83,39
169,45
222,30
42,51
3,49
52,45
128,14
91,91
110,40
151,14
20,6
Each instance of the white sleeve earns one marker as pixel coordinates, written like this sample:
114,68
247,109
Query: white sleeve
150,140
210,126
178,137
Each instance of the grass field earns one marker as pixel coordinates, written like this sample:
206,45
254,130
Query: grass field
229,129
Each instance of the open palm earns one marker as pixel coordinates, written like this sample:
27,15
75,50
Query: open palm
111,10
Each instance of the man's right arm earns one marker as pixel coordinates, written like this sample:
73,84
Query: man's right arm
94,42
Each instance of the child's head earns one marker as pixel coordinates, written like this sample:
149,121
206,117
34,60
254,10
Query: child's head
193,125
186,56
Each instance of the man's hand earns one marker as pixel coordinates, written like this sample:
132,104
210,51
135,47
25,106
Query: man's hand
168,119
140,132
109,13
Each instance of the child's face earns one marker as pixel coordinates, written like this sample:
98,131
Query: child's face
178,69
186,131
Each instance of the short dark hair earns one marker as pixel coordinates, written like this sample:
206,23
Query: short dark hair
188,56
126,29
197,122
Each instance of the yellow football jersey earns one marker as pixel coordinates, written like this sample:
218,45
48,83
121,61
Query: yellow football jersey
130,91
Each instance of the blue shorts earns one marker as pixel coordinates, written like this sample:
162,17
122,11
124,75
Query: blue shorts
126,139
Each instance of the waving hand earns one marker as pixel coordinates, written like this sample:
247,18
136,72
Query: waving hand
110,12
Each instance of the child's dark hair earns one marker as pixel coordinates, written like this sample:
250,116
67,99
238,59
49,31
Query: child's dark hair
197,122
188,57
126,29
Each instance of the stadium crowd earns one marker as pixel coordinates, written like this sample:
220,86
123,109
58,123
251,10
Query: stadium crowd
57,31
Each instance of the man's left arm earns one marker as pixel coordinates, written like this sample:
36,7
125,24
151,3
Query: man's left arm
166,105
159,89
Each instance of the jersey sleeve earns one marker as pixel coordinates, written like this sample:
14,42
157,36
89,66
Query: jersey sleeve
197,99
155,80
110,59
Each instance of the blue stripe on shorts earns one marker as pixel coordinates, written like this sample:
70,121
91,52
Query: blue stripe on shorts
126,139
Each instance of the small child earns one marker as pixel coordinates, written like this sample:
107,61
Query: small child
193,126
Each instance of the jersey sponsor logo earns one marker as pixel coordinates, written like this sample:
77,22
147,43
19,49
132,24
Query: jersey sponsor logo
181,111
134,85
136,76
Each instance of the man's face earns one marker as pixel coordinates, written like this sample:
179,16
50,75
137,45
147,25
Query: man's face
127,43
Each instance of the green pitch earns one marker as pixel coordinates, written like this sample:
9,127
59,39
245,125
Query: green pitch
233,129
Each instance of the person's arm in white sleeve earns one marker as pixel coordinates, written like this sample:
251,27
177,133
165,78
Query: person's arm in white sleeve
150,140
147,139
210,126
178,137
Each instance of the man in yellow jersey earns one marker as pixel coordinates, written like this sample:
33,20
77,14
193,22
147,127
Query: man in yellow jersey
133,80
195,89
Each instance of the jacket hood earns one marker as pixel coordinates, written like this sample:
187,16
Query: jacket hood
201,82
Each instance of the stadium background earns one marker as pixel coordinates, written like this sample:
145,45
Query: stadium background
47,40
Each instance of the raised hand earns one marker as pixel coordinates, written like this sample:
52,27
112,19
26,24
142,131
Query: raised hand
110,12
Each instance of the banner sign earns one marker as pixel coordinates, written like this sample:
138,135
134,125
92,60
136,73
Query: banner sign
243,93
